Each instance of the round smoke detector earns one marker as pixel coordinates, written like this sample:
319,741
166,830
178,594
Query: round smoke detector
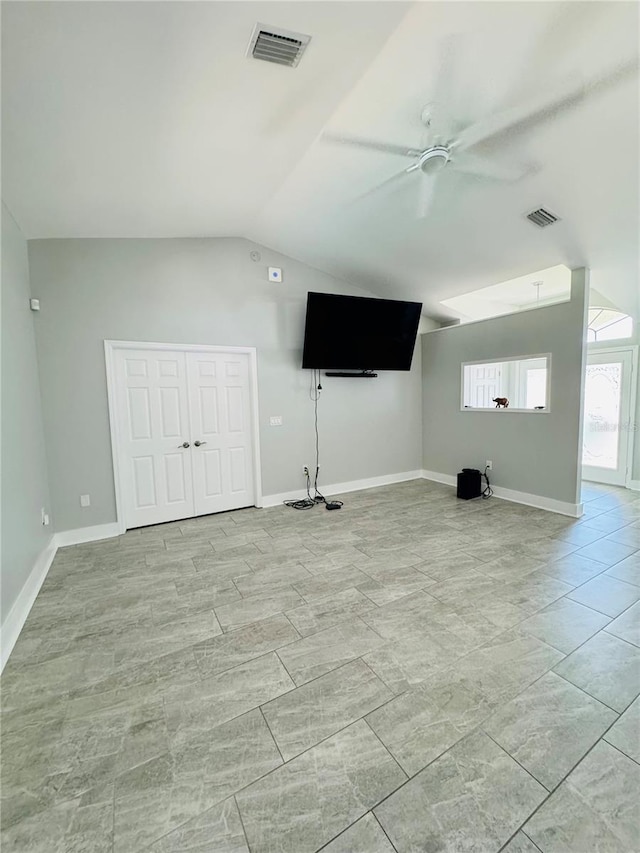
434,159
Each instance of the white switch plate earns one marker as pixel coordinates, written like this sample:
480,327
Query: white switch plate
85,500
275,420
275,274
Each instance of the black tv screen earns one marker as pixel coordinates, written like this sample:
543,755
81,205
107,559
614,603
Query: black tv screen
357,333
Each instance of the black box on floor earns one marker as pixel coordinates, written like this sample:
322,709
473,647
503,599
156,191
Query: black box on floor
469,484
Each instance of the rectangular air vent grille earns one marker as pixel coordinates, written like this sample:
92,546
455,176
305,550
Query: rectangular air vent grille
279,46
542,217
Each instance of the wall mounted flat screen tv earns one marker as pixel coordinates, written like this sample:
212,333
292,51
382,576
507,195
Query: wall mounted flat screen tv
358,333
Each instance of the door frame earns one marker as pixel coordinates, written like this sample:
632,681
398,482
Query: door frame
601,348
110,349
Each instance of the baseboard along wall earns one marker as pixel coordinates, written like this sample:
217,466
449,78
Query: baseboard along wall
536,501
18,614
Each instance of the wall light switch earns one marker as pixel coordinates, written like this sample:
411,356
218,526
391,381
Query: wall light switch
85,500
275,420
275,274
34,304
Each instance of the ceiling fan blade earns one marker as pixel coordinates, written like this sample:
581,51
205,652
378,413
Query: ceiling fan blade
385,185
562,33
371,145
485,168
425,195
539,109
443,91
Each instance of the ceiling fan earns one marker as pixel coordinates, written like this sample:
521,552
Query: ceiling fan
447,150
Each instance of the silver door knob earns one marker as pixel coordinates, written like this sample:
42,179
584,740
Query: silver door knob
184,444
199,443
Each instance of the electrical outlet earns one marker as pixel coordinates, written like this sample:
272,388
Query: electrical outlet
44,517
488,465
305,470
85,500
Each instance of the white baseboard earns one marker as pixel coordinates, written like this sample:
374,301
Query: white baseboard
537,501
634,485
87,534
446,479
342,488
17,616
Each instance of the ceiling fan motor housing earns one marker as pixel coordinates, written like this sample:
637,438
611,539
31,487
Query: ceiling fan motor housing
433,159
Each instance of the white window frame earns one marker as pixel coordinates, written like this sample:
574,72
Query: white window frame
609,341
502,361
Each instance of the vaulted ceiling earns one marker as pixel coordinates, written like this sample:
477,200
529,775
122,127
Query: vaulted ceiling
147,119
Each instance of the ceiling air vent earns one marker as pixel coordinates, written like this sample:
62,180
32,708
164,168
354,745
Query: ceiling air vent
279,46
542,217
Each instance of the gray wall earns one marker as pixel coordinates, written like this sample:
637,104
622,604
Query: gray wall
24,471
537,454
206,291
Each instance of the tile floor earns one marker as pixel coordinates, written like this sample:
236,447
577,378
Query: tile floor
412,673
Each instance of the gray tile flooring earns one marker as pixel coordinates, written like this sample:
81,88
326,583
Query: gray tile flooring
412,673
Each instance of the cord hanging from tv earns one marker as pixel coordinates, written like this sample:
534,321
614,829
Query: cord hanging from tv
356,333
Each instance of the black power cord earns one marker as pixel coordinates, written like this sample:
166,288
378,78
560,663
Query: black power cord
303,503
310,501
487,491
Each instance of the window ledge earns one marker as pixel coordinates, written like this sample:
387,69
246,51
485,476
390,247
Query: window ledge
511,409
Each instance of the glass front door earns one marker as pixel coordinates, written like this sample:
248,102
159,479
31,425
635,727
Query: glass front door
607,399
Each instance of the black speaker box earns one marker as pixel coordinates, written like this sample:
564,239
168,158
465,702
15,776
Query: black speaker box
469,484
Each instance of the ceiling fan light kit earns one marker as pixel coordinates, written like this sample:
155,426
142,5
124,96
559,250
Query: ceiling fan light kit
434,159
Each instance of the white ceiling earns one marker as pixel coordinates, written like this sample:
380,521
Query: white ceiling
146,119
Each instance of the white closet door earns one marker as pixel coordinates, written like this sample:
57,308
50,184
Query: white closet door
222,452
153,410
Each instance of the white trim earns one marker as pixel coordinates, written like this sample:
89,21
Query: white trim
445,479
21,608
87,534
342,488
536,501
634,485
110,347
632,437
502,359
539,502
510,410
